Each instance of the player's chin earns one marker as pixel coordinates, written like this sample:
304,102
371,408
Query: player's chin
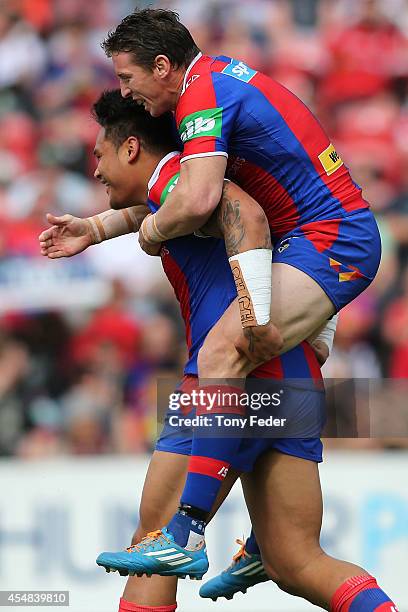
116,203
155,111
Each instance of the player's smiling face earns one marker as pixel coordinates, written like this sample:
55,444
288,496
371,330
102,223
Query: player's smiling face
115,169
150,88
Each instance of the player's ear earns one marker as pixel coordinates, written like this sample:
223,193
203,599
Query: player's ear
132,148
161,66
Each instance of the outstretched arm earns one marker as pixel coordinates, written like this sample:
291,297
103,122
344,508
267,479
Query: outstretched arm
69,235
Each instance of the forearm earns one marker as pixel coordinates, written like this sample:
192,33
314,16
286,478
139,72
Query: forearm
190,204
176,218
240,221
113,223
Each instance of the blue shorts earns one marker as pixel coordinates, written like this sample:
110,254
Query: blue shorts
307,404
341,255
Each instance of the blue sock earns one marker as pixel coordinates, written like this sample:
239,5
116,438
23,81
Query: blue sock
251,545
187,531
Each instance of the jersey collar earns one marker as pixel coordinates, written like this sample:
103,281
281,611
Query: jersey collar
158,168
195,60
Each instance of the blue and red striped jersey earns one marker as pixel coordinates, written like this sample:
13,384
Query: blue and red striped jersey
200,274
277,150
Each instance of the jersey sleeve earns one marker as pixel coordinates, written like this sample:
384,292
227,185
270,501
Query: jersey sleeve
205,117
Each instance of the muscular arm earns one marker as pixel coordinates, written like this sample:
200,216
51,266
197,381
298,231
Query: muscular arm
69,235
240,221
191,202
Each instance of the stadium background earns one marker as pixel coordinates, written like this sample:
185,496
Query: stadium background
83,341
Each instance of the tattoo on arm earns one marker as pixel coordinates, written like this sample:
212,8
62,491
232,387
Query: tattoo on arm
267,240
230,223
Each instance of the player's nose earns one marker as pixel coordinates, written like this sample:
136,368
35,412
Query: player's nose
97,174
125,91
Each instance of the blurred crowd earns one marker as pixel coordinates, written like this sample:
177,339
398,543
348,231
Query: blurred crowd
83,341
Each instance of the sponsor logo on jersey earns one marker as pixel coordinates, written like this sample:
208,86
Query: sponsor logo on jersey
202,123
239,71
330,160
169,187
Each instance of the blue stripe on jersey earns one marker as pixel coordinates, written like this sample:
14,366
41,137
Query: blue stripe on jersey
285,157
294,364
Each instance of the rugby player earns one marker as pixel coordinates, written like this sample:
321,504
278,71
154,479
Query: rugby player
291,552
327,242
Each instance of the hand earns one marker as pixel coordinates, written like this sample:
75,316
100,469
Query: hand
321,351
66,237
150,248
261,343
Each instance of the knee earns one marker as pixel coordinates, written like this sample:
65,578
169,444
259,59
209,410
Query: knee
211,357
287,570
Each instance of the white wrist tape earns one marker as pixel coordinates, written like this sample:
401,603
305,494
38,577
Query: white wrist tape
327,334
252,271
150,231
112,223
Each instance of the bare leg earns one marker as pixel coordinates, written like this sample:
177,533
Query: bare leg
299,308
284,499
160,499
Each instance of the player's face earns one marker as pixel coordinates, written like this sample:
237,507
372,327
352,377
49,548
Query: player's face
114,170
146,87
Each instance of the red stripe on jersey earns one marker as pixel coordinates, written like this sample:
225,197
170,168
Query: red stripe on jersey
170,169
270,369
314,367
206,466
201,96
220,399
218,65
280,209
323,234
179,283
188,384
311,135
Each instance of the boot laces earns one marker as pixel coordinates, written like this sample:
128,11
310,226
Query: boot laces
149,539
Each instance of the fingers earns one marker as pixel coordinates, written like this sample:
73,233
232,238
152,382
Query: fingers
58,220
46,234
53,252
46,241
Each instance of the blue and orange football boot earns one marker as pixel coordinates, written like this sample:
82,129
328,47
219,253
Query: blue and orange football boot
157,553
245,571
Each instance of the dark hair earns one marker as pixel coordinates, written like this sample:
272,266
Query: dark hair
151,32
123,117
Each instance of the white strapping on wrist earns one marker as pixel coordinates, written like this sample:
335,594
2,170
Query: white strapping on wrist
252,271
150,231
327,333
112,223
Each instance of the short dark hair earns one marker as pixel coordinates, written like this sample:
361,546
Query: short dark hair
151,32
123,117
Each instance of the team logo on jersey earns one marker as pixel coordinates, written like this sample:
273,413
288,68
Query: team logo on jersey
330,160
202,123
191,80
239,71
